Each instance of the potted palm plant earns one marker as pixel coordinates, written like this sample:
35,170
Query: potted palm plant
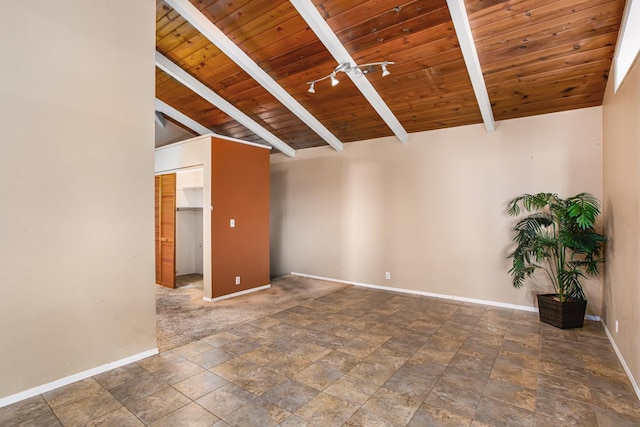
558,237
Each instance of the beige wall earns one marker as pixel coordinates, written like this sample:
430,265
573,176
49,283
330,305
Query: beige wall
431,212
621,129
76,187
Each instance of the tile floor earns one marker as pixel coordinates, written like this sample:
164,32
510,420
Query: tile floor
360,357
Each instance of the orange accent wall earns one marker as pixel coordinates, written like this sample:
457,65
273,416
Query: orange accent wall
239,190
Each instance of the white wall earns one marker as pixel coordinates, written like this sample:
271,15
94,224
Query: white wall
76,187
189,239
432,211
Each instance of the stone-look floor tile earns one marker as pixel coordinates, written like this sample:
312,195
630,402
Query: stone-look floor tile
495,413
221,339
200,384
226,399
429,352
137,388
260,380
288,365
73,392
352,390
290,395
171,368
614,400
373,372
608,418
513,394
240,347
124,374
24,410
565,411
564,387
392,405
358,348
518,360
387,357
524,377
192,349
528,348
457,378
405,381
319,375
294,421
84,410
366,418
326,410
257,413
119,418
212,358
261,356
158,404
473,366
456,400
479,350
45,420
433,416
555,369
265,322
221,423
309,351
235,369
192,415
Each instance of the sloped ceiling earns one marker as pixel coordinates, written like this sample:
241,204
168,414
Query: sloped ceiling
537,56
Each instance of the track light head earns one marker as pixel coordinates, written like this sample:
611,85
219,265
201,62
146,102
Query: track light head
385,72
312,88
334,81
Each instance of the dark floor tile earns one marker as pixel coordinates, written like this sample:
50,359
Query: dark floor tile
495,413
564,410
511,393
24,410
392,406
326,410
200,384
564,387
226,399
157,405
257,413
459,401
191,415
290,395
434,416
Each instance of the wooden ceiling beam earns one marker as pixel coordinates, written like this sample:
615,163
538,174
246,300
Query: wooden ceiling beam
183,119
196,86
468,47
326,35
200,22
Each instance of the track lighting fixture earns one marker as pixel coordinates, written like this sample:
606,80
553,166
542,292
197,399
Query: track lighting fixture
357,70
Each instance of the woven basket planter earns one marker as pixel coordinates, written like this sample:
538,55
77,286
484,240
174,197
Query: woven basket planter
563,315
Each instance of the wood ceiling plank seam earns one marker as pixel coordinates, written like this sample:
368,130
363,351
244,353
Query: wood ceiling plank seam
555,51
497,16
335,7
556,64
319,26
558,89
189,81
545,107
258,26
467,45
529,18
584,19
569,71
240,57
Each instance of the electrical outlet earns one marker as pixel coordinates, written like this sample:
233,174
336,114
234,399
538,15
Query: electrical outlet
616,326
232,223
387,275
237,280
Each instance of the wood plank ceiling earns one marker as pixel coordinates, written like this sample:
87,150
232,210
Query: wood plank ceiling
537,56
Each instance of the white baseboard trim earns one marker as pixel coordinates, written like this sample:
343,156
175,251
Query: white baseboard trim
423,293
237,294
75,377
634,383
